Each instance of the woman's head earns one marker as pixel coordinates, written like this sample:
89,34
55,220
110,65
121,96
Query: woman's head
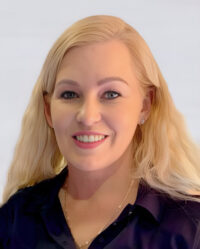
96,91
96,31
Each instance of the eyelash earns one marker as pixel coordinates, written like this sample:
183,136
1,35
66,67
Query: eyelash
111,91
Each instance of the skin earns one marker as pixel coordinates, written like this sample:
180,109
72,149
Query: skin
95,174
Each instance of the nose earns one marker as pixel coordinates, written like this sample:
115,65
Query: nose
89,113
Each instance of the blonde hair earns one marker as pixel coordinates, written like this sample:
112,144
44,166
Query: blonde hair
164,154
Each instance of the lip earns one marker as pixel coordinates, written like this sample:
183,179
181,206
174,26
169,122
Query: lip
88,133
90,145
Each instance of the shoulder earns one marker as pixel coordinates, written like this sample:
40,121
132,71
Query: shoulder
177,219
39,191
191,209
182,209
24,195
180,212
28,200
19,201
190,212
183,219
161,205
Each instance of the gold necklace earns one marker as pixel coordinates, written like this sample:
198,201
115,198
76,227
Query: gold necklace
86,243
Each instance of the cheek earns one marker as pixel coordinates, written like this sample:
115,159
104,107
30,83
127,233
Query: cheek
128,112
124,119
60,119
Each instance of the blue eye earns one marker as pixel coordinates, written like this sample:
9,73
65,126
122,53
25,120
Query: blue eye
68,95
112,94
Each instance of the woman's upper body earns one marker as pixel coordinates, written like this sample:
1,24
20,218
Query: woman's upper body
101,107
33,218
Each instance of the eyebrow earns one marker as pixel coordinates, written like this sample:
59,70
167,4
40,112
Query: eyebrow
100,82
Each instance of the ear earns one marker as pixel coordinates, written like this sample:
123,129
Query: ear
47,109
147,103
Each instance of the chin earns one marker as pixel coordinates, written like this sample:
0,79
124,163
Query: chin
89,166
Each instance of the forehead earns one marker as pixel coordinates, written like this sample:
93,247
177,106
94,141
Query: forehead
113,51
95,61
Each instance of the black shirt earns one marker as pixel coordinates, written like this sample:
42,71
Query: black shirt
33,219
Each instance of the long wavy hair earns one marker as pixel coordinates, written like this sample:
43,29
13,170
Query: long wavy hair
164,154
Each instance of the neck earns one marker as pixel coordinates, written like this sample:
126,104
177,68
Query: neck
95,186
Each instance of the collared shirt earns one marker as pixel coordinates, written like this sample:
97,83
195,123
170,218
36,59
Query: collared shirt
33,219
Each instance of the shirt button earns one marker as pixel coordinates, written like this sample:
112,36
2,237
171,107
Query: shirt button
130,212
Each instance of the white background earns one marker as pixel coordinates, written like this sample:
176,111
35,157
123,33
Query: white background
29,28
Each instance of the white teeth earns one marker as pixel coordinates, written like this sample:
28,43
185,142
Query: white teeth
91,138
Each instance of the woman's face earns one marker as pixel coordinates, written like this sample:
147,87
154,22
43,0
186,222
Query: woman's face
96,91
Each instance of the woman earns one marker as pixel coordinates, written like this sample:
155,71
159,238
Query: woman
104,159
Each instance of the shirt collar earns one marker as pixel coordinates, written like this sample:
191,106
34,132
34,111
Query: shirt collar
151,200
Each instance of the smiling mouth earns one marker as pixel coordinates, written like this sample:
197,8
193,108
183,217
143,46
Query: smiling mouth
90,138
